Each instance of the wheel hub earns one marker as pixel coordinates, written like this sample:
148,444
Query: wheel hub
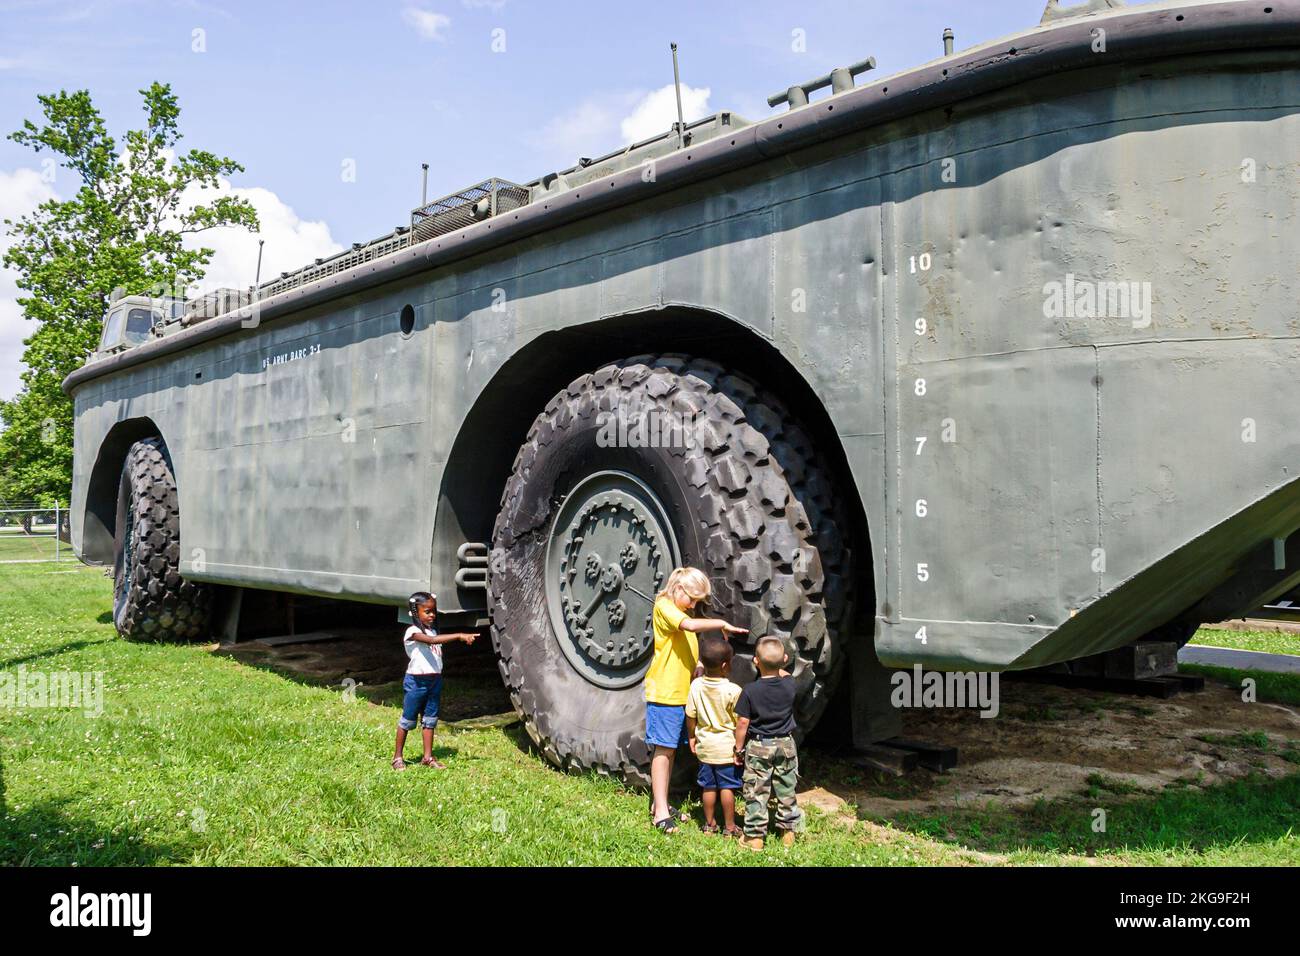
610,551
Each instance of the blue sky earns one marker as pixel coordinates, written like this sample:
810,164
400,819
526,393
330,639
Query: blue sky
303,93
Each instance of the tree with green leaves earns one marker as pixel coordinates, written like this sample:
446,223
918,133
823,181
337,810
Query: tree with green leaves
125,227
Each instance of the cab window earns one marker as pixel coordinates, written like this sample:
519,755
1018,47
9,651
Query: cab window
112,329
139,323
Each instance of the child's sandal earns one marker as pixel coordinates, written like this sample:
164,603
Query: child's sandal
666,825
434,763
399,763
675,812
734,833
709,828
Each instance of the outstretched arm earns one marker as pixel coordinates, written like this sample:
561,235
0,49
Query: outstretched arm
698,624
468,638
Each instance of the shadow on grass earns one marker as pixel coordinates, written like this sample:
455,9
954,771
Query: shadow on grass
52,652
46,834
1254,810
472,686
1270,687
413,751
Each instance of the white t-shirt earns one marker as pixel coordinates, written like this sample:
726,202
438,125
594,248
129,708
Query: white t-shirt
424,658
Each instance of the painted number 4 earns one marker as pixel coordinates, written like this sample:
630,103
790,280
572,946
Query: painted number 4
920,636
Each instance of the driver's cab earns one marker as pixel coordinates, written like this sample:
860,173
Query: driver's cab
135,319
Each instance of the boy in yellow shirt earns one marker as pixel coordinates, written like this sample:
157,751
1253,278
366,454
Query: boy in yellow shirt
711,725
668,681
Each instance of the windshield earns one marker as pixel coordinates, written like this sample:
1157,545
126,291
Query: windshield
112,329
139,323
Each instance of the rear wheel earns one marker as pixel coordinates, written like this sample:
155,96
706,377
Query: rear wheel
151,601
641,466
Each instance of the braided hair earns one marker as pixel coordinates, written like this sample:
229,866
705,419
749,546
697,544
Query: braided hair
416,601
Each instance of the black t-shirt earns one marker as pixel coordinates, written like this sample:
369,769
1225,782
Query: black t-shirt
769,704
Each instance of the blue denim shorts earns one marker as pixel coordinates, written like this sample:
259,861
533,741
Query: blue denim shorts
719,776
423,693
665,725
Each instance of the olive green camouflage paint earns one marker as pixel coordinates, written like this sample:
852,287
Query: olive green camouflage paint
1080,480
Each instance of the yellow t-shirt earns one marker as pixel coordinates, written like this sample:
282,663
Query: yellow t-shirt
668,681
712,702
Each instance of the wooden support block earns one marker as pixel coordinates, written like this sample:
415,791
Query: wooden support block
1142,660
1190,683
930,756
888,760
1162,687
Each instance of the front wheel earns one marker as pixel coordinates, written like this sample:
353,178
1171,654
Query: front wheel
644,465
151,601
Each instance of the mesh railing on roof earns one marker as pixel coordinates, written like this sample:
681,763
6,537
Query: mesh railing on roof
482,201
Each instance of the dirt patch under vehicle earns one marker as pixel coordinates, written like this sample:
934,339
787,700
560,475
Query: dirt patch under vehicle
375,661
1051,742
1046,743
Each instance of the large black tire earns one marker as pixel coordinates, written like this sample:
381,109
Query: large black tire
151,601
751,503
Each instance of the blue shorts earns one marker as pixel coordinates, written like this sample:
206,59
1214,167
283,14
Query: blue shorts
719,776
665,725
423,693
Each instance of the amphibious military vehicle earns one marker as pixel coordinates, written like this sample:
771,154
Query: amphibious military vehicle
983,365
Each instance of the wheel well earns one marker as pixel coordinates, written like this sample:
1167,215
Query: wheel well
100,520
484,450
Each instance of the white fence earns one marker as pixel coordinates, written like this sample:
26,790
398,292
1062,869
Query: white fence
34,535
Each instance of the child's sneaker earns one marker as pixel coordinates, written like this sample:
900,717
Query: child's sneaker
787,838
752,843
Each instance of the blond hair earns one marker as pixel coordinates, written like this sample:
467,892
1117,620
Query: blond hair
770,651
692,582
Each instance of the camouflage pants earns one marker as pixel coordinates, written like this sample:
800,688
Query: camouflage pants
771,770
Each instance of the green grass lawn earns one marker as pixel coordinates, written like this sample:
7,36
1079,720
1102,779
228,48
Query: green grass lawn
1269,642
199,759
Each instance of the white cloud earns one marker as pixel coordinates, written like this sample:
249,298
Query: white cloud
20,192
493,5
428,24
604,121
291,242
657,112
589,128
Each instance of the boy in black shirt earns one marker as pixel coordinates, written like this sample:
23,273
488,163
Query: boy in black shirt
764,737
